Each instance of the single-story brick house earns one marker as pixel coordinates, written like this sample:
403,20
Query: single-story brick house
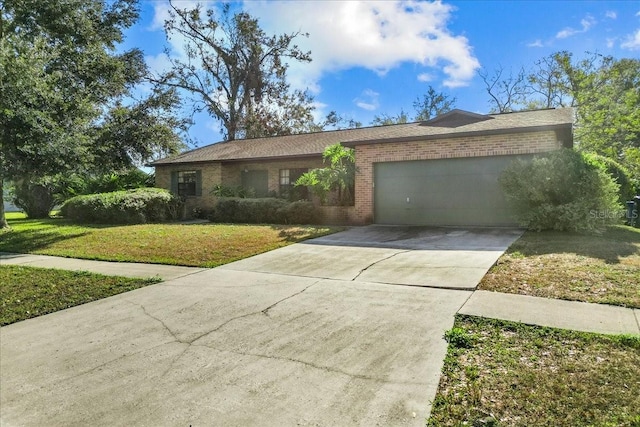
439,172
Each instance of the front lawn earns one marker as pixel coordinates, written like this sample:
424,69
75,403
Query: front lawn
201,245
500,373
601,268
27,292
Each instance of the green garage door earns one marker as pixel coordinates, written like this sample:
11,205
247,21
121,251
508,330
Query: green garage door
461,192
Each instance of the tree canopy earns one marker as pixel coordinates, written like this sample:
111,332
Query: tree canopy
430,105
236,72
605,92
63,81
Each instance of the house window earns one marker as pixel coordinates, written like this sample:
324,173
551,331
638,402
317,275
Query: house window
288,178
187,183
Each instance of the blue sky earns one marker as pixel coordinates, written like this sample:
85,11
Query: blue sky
376,57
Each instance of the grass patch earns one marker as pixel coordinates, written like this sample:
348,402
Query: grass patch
27,292
518,375
201,245
603,268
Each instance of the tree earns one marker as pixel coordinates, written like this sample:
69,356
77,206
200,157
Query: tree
338,176
604,91
430,105
386,119
59,72
335,121
507,92
237,73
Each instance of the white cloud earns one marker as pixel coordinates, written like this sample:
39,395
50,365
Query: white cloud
611,14
426,77
586,23
375,35
632,42
611,42
368,100
536,43
158,64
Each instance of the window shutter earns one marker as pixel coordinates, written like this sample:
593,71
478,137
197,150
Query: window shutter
198,183
174,182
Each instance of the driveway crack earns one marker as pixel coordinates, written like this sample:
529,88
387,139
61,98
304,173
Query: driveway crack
379,261
266,310
314,366
191,341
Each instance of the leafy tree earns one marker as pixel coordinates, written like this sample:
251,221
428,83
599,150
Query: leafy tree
59,72
386,119
605,92
430,105
237,73
338,176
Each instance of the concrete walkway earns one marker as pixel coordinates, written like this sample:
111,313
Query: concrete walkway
127,269
578,316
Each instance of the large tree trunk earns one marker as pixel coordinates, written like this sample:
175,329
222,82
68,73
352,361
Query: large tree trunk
3,219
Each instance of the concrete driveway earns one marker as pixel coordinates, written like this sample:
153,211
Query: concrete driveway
311,334
447,258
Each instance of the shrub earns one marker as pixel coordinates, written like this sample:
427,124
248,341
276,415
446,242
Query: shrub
227,191
250,211
619,173
36,199
264,211
137,206
561,191
299,212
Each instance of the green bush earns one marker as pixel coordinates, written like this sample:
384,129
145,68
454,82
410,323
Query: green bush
137,206
619,173
299,212
264,211
36,199
247,211
561,191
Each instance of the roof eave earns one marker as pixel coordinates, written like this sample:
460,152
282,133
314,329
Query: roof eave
237,160
450,135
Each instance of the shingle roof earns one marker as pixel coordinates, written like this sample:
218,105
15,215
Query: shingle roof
452,124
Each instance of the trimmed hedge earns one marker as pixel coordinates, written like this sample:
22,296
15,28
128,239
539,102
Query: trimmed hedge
264,211
137,206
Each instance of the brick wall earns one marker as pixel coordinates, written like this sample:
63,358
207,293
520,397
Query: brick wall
211,175
232,172
229,174
473,146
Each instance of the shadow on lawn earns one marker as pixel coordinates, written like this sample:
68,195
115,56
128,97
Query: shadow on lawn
30,241
610,246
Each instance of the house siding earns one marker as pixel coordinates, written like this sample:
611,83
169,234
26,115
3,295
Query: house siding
472,146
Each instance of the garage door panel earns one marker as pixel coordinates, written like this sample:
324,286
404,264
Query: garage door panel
442,192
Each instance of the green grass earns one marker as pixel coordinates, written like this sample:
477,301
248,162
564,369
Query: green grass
27,292
202,245
508,374
602,268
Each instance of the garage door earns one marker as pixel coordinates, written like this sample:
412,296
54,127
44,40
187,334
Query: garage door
462,192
